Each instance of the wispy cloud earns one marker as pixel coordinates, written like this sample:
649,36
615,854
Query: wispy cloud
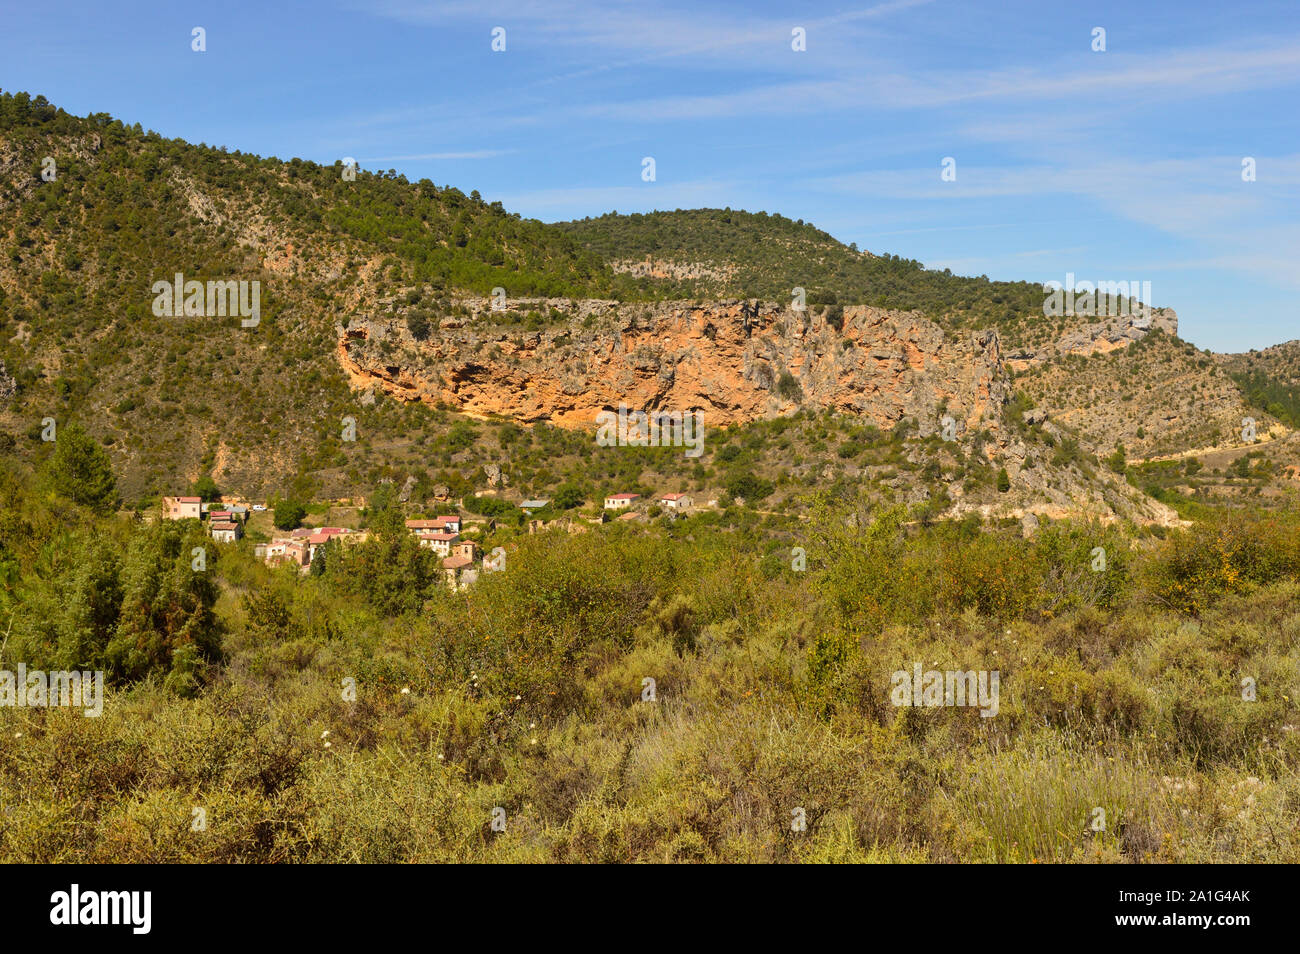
1227,222
1180,75
649,32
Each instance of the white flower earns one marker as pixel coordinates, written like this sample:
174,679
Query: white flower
325,734
329,744
406,691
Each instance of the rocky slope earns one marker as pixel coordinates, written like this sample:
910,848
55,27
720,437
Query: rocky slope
1155,395
740,361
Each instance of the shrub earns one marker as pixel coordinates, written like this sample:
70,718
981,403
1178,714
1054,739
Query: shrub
752,488
1194,569
788,387
288,514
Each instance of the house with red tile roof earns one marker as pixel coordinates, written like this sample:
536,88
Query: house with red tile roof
439,542
449,523
322,536
620,501
453,566
225,531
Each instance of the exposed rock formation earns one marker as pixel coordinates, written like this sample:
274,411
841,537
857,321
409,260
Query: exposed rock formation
735,361
1099,337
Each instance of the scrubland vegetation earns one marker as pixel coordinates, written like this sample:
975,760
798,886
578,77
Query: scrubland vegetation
1120,690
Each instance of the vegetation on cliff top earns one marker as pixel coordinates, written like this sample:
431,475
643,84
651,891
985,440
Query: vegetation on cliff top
757,255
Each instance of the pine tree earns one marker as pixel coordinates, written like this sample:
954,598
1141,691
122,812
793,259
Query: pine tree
80,470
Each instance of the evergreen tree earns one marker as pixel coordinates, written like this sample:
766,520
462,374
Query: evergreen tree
80,470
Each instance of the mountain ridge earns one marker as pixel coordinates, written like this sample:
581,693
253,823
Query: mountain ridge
174,399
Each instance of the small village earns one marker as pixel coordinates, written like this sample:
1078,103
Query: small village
455,538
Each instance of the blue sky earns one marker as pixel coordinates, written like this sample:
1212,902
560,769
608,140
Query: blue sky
1116,165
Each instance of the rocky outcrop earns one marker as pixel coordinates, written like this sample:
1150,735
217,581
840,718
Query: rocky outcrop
1099,337
734,361
663,268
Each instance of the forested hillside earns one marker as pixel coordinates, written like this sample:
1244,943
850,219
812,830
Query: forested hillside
726,252
172,397
1270,379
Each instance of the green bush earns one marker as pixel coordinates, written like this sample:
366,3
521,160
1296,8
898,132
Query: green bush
288,514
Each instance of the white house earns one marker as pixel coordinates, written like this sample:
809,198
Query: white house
676,501
439,542
225,531
447,524
620,501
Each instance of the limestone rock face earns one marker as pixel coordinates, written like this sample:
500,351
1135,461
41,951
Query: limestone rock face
734,361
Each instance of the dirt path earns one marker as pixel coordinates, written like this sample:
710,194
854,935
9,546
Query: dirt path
1275,433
